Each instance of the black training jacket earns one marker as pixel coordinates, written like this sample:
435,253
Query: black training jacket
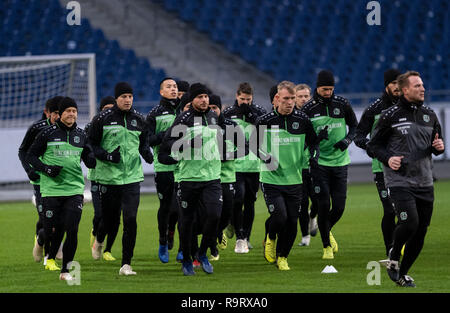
28,140
247,113
369,118
406,129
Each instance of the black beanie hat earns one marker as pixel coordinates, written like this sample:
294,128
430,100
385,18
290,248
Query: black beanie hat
65,103
52,104
273,92
184,100
183,85
390,75
107,100
197,89
122,88
215,99
325,78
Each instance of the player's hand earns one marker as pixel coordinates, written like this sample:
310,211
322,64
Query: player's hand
395,162
52,170
323,134
149,158
114,156
245,108
438,143
343,144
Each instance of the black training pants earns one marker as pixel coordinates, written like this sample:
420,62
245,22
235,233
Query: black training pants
283,203
62,215
97,204
43,239
330,188
307,193
246,185
195,196
413,207
165,187
228,193
117,199
388,220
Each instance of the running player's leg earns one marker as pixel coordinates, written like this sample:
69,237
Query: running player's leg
277,210
292,199
388,219
338,193
52,224
71,219
165,188
111,201
97,204
275,224
227,207
303,219
173,220
321,181
211,198
189,201
408,219
424,203
42,239
251,192
130,204
238,204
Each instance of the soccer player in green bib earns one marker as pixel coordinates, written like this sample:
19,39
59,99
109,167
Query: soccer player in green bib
105,104
41,242
330,115
119,138
244,112
230,146
56,154
192,142
159,120
367,123
283,136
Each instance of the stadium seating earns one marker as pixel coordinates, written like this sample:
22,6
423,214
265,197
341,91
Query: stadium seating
40,28
289,39
294,39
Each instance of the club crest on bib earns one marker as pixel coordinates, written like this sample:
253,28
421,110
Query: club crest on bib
403,216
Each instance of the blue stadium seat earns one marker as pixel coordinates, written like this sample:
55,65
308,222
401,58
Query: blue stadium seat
36,28
289,39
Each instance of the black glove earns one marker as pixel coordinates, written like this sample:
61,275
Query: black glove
245,108
32,175
148,158
52,170
323,134
114,156
343,144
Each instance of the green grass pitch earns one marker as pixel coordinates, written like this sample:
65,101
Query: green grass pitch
358,234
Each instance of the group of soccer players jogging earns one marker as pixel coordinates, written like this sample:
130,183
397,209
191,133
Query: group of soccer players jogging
210,162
